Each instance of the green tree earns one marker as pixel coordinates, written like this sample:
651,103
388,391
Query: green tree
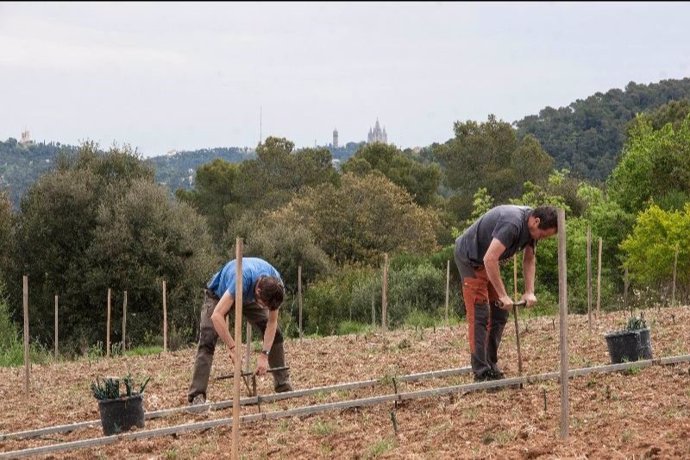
650,249
99,222
361,219
215,194
420,181
489,155
655,166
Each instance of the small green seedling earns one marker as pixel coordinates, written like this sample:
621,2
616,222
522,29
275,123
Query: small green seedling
109,388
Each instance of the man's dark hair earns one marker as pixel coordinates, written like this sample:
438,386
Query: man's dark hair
271,291
548,218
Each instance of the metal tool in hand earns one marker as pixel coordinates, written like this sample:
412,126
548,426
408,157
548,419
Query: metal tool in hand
517,334
246,375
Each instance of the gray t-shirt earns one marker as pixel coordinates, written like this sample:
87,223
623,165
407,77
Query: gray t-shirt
506,223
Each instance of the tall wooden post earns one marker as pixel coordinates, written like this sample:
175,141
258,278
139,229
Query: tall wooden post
248,348
56,326
124,322
238,362
299,298
563,308
384,294
27,356
165,317
107,332
447,288
673,289
599,281
589,278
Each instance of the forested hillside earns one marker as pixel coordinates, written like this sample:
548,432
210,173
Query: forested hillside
22,164
587,135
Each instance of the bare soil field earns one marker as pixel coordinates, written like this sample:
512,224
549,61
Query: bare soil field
640,413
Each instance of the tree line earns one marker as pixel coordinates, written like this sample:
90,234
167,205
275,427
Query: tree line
99,220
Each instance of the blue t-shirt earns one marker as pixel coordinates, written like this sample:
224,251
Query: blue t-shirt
253,268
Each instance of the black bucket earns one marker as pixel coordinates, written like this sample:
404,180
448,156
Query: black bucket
629,345
623,346
645,344
119,415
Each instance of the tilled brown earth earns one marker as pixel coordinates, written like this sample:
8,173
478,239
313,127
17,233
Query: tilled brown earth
640,413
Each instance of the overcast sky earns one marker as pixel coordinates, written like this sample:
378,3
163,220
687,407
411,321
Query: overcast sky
186,76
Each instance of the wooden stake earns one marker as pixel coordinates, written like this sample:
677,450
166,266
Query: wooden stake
238,362
384,294
56,326
165,318
599,281
447,288
589,278
27,356
299,299
248,348
673,290
563,303
107,332
124,322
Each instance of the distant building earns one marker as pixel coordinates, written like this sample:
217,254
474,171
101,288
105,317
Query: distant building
335,138
376,134
26,138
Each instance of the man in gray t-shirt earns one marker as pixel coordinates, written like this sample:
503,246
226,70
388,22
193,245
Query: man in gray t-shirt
494,237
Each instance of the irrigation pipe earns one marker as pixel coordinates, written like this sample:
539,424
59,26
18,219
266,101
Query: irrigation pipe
243,402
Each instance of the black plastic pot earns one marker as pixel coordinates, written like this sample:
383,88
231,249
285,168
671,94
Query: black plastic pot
119,415
629,345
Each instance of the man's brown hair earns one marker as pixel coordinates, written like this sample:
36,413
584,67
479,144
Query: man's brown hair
271,291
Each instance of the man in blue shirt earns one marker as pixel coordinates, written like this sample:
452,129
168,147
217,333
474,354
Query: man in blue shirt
262,295
494,237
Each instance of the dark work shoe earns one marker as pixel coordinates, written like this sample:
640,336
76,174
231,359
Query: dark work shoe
483,377
283,387
496,374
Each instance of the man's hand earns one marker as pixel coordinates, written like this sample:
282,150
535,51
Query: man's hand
529,298
232,354
506,303
261,364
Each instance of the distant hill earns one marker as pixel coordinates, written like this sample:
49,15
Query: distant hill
21,164
178,170
587,136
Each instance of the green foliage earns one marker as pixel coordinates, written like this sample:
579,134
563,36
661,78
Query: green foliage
419,180
415,293
635,323
214,194
420,319
655,167
489,155
361,219
176,171
353,327
650,249
587,135
107,225
109,388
